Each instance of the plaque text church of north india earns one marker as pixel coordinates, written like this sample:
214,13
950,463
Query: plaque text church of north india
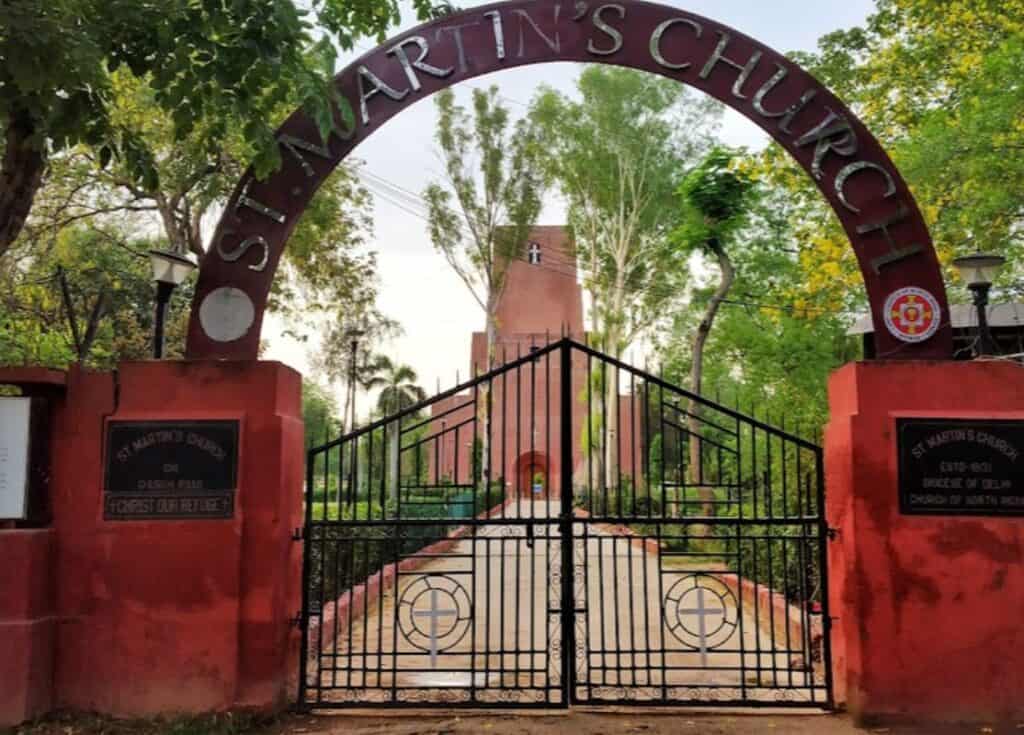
542,301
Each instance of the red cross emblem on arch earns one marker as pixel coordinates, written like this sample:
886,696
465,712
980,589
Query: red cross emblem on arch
912,314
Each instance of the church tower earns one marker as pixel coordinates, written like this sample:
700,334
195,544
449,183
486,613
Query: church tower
541,301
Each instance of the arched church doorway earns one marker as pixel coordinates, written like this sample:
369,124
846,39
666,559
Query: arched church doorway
532,477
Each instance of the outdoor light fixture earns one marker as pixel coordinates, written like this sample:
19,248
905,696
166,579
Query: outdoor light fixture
354,333
978,272
170,270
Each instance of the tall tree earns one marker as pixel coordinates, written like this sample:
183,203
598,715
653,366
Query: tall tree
213,67
715,199
398,391
398,385
617,153
347,353
766,354
480,216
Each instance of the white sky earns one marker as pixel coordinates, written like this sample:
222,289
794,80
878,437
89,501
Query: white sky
418,288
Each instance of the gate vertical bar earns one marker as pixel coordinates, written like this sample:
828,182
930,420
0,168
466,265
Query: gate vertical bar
824,537
566,530
304,621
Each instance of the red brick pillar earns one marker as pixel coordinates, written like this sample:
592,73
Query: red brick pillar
928,608
164,616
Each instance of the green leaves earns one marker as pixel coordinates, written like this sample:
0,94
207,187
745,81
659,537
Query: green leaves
617,154
480,216
214,67
714,197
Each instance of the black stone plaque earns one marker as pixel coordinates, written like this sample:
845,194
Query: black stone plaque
171,469
961,467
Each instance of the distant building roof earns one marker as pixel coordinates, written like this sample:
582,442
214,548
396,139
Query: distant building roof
963,316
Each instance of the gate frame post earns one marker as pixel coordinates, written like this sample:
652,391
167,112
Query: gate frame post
566,530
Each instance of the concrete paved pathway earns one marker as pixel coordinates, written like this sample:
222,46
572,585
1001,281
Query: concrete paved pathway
485,616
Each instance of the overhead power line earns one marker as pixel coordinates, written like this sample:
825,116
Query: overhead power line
415,205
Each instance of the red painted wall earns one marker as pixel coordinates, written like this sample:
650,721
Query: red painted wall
26,624
928,609
175,616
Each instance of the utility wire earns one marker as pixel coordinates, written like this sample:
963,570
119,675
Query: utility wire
416,206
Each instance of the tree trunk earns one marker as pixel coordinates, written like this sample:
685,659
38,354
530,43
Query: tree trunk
728,276
21,175
484,408
611,418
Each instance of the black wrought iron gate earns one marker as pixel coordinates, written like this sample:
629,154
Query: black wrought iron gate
565,529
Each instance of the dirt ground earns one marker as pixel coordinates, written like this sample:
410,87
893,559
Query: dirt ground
577,722
590,723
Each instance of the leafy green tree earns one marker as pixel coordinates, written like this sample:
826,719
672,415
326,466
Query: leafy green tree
213,67
481,215
398,391
938,82
347,354
715,199
319,413
398,385
323,265
88,299
617,153
765,355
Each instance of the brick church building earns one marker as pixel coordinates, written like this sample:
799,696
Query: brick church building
542,302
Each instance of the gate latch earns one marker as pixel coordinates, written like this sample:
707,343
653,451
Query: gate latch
529,535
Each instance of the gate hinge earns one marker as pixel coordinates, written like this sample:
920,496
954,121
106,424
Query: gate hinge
297,621
298,534
832,533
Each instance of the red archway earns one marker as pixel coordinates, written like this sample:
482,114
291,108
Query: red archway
529,466
886,230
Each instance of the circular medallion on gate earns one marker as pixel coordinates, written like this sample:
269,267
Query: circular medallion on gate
701,612
912,314
434,613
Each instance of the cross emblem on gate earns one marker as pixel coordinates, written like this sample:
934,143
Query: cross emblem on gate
702,612
533,254
433,613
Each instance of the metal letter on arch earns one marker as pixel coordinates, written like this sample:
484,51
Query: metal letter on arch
853,172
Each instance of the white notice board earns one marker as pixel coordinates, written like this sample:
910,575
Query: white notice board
15,415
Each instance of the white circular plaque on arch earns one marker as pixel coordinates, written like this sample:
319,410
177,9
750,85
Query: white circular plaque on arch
226,314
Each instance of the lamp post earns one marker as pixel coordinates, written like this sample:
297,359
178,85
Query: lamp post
170,269
978,272
354,334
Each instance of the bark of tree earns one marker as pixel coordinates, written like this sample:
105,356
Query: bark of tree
484,409
21,176
728,276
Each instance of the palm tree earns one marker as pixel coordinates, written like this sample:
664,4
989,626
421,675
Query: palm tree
397,382
399,392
